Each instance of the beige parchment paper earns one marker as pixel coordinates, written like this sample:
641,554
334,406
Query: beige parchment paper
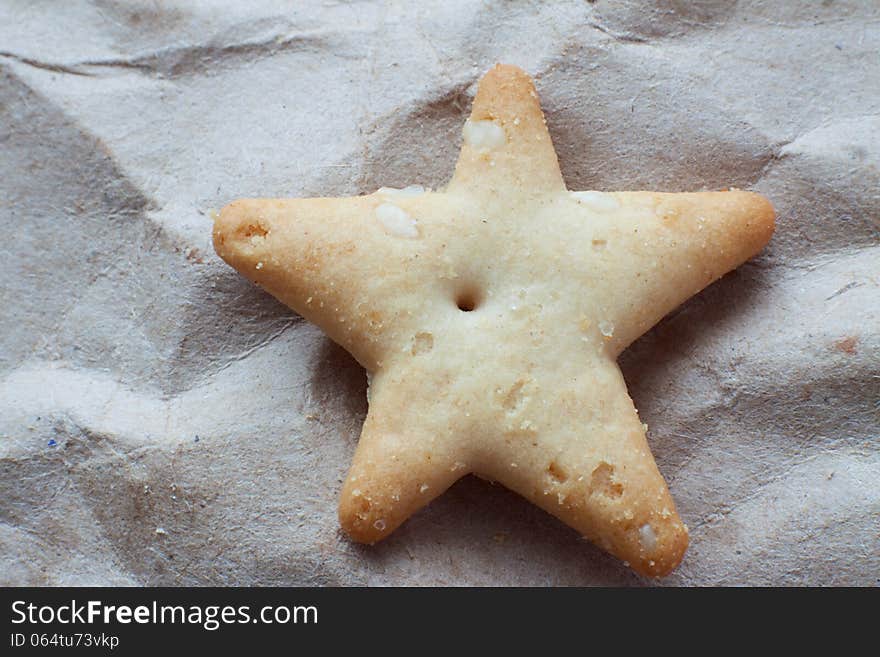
162,421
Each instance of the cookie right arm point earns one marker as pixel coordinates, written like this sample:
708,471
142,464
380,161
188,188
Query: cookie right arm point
689,241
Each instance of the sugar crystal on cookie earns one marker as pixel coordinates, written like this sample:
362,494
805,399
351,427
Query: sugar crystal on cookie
647,537
484,135
409,190
396,221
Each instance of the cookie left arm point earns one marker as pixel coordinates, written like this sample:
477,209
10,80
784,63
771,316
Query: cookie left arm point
328,259
404,459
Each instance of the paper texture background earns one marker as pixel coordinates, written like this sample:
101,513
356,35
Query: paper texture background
201,430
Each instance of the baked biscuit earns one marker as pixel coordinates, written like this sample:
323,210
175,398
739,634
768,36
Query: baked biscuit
489,316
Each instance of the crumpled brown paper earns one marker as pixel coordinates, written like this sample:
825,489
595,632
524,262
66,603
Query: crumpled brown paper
162,421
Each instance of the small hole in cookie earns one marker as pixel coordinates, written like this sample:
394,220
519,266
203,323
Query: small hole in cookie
253,230
467,300
556,473
602,481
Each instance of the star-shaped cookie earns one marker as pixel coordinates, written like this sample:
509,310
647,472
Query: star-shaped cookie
489,316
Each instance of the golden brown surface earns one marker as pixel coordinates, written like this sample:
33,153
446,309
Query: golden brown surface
521,386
